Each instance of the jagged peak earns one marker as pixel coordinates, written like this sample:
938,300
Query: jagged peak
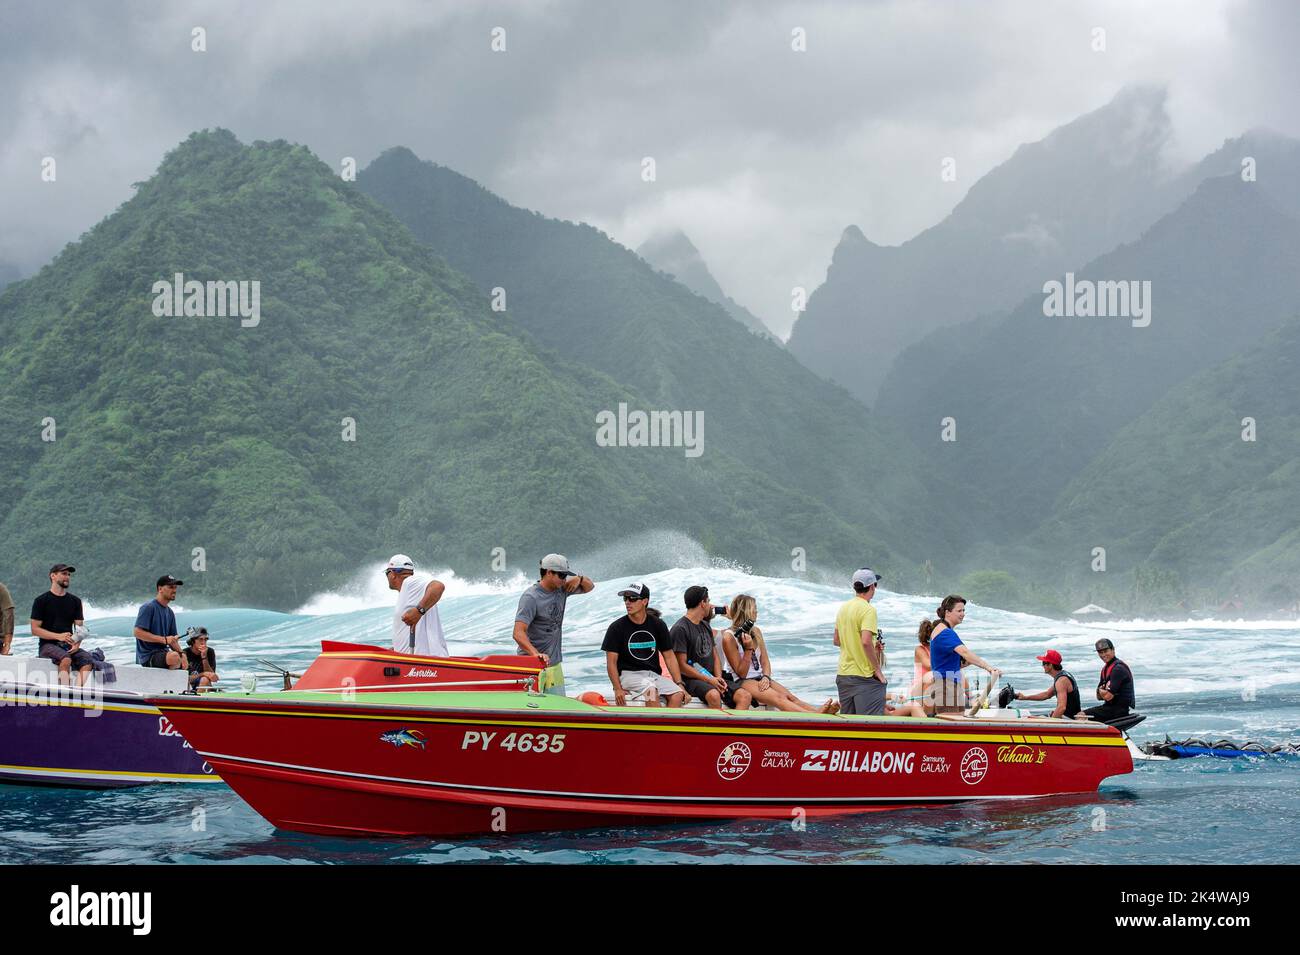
672,242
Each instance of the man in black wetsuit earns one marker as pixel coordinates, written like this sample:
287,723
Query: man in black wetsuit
1115,688
1064,688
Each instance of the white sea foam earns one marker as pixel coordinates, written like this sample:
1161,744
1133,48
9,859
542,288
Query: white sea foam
369,590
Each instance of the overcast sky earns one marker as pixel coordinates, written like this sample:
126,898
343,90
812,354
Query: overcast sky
763,154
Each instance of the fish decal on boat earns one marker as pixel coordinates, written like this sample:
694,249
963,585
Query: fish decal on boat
400,738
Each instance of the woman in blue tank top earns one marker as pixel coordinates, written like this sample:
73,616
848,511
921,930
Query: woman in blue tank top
948,655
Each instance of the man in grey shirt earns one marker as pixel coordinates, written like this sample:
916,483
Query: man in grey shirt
539,621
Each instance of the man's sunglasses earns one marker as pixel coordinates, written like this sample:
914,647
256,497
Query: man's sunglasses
632,600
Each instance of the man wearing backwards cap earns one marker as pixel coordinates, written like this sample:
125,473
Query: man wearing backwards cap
417,599
1064,688
539,621
860,678
157,643
55,615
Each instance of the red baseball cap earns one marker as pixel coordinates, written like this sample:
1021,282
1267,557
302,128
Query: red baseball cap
1051,656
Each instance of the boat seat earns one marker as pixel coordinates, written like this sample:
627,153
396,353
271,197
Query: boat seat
130,678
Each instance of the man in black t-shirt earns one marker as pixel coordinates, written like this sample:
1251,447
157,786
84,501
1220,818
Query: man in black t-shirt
696,649
55,614
632,646
1115,688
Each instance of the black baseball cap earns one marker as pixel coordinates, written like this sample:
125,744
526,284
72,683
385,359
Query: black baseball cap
695,596
637,590
57,568
1104,644
168,579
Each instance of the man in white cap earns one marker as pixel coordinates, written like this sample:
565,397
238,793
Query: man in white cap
417,610
860,677
539,621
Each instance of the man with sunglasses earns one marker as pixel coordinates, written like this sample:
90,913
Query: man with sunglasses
539,621
417,628
632,647
1115,688
1064,688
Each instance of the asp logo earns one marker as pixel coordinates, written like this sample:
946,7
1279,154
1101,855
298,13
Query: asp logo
974,765
733,760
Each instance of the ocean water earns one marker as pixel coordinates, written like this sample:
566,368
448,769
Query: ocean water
1216,679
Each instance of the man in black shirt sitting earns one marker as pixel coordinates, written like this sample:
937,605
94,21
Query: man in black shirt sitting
1115,688
55,614
632,647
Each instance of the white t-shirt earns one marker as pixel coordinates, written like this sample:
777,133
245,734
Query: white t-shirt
429,641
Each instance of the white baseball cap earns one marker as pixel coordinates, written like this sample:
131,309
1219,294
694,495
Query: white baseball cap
866,577
556,562
400,562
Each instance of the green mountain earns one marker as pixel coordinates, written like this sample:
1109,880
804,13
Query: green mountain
8,274
1181,490
1035,398
1054,205
676,255
135,438
593,301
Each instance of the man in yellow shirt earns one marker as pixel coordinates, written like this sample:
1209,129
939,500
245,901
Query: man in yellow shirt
860,678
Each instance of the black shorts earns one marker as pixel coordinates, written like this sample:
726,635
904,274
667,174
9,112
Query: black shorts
729,698
157,660
698,688
57,652
1107,711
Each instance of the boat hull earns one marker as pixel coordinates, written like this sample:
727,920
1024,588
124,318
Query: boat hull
461,766
94,739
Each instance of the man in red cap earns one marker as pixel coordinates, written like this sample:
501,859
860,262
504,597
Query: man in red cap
1064,688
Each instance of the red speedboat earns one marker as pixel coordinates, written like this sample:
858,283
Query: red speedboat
464,762
346,667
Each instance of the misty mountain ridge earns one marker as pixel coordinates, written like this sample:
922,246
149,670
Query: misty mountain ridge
1036,398
675,255
1054,205
594,302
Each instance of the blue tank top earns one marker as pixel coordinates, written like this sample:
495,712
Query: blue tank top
944,660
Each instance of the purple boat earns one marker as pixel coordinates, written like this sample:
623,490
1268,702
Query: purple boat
99,736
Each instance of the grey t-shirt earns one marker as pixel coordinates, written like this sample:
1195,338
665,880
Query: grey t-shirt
543,611
696,641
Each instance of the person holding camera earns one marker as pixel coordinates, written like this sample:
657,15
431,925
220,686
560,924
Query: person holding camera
745,651
157,643
698,658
